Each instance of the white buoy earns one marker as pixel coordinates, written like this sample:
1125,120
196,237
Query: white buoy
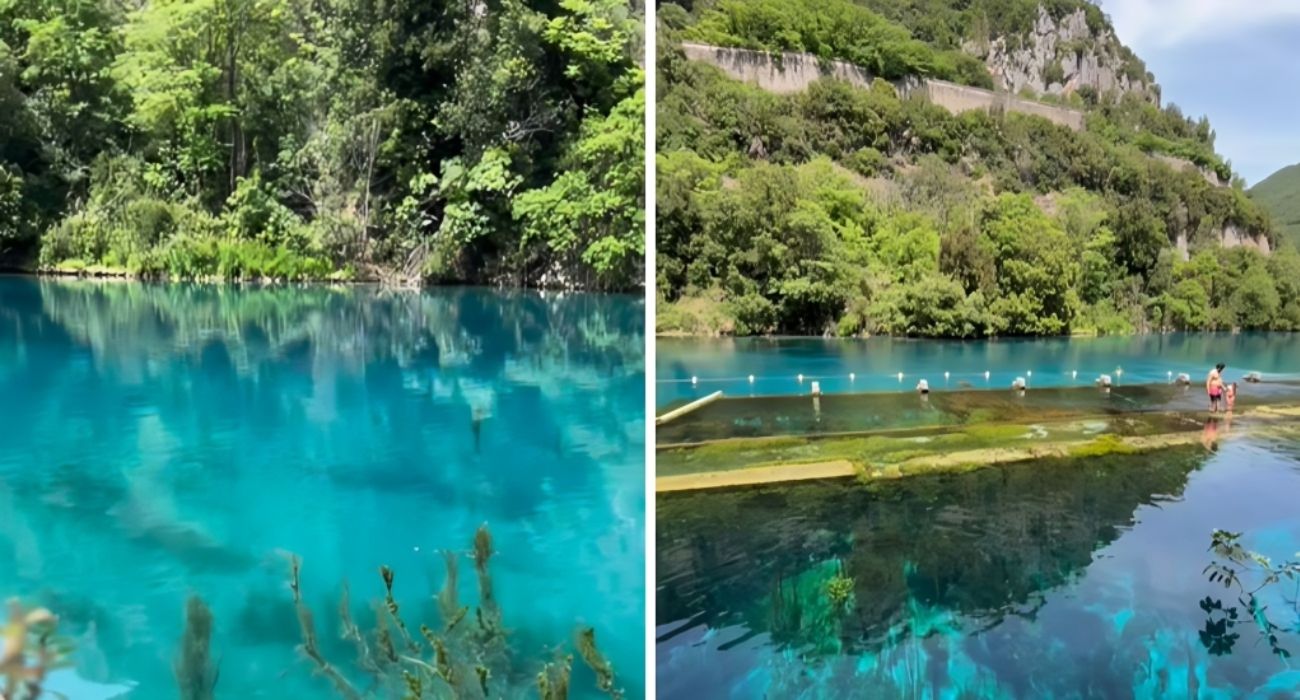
852,376
1074,374
986,375
695,380
900,376
801,379
751,379
945,376
1119,372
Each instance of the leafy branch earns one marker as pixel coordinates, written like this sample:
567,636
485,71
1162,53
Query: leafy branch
1249,572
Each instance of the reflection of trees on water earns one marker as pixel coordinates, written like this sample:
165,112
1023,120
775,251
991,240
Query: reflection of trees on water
353,326
198,355
333,350
983,545
149,408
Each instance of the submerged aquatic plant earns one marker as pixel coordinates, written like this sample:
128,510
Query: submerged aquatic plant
28,652
807,611
460,657
1236,566
840,590
597,662
196,673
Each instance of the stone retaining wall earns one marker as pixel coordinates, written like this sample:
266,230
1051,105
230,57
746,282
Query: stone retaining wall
793,72
789,73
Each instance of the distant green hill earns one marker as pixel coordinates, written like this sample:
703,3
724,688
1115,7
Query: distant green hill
850,208
1279,194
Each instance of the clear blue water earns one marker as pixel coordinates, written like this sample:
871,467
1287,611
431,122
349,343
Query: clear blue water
1052,579
725,364
160,441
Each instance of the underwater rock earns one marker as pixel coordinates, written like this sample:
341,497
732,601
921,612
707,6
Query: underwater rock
91,663
66,683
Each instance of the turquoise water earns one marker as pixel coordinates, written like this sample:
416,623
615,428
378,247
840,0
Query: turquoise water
776,363
163,441
765,416
1053,579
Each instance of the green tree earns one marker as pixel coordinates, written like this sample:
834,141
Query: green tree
595,210
1186,306
1255,302
1036,270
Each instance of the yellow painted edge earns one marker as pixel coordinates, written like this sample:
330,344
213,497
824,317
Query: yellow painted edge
780,473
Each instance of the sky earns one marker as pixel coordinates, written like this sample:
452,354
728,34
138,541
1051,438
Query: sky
1235,61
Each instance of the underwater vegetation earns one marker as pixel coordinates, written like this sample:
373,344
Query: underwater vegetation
783,550
463,655
29,651
895,453
196,672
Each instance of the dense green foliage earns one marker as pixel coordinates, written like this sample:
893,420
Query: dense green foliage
1279,195
842,210
892,38
451,142
838,29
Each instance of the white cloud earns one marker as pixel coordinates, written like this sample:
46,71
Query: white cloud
1166,23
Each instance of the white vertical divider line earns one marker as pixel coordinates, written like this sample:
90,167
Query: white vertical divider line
650,239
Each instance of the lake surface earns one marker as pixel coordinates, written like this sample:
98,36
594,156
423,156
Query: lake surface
875,363
165,441
1051,579
840,414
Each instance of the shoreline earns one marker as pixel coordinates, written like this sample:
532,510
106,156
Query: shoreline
682,335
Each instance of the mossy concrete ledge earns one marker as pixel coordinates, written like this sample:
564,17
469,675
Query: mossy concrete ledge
949,462
753,476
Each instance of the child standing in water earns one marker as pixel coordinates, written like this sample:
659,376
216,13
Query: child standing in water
1231,395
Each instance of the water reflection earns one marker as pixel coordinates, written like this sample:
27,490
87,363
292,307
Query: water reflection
1060,578
162,440
984,544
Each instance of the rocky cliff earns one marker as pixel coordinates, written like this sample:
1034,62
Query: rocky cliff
1064,56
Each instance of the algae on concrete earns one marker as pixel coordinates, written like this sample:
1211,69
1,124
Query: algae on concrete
957,449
